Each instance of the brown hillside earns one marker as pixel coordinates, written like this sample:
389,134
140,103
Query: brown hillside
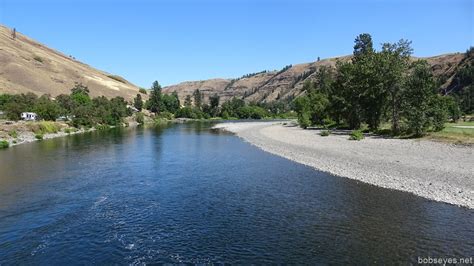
272,86
28,66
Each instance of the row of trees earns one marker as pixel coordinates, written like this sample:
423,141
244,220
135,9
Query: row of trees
167,105
77,106
375,87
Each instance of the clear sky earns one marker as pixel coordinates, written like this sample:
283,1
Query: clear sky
174,41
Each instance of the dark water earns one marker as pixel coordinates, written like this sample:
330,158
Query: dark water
189,194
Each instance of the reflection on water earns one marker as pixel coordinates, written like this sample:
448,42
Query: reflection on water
184,193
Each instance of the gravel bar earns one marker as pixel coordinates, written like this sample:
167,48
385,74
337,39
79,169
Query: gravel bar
437,171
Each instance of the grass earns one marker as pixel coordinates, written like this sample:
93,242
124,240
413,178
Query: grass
117,78
454,134
39,136
45,127
13,134
4,144
69,130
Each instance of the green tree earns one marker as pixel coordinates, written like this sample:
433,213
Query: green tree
438,112
395,61
454,112
80,95
346,96
232,106
363,46
118,110
65,103
302,107
47,109
138,102
155,103
19,103
197,98
170,102
214,105
419,95
188,101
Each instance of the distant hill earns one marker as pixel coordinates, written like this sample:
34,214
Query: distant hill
28,66
288,82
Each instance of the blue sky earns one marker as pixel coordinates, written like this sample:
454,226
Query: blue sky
174,41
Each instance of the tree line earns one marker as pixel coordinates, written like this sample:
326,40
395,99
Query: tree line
168,105
376,87
77,106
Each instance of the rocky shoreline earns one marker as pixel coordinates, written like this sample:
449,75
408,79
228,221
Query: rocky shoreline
437,171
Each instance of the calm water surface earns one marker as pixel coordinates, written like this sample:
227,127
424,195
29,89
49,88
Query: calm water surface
190,194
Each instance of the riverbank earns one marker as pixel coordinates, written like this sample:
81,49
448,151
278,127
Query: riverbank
438,171
21,132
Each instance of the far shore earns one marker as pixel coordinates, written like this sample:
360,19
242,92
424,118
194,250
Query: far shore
24,134
437,171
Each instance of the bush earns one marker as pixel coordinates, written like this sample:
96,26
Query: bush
13,134
45,127
140,118
165,115
325,133
142,91
356,135
39,59
304,120
39,136
189,112
117,78
69,130
102,127
4,144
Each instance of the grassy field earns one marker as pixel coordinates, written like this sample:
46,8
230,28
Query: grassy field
452,133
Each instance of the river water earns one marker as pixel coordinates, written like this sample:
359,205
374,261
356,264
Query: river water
186,193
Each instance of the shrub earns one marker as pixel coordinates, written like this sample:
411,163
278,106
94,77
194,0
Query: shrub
189,112
117,78
39,59
304,120
161,121
70,130
4,144
45,127
142,91
325,133
49,127
39,136
13,134
165,115
102,127
356,135
140,118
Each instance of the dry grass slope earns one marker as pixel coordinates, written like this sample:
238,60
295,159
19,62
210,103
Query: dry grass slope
28,66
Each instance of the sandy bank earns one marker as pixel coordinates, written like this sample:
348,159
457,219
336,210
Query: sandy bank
437,171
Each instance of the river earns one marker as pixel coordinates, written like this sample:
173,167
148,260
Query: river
187,193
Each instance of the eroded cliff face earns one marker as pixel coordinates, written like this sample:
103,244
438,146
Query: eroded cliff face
288,83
